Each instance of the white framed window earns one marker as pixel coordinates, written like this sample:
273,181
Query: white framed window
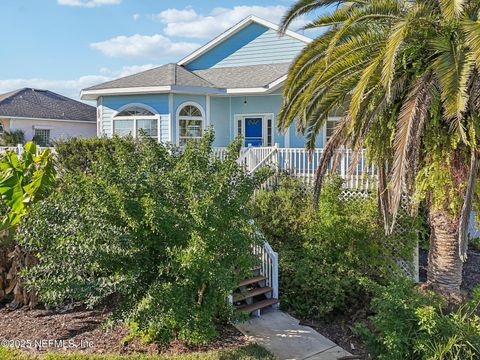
190,122
135,120
330,126
42,137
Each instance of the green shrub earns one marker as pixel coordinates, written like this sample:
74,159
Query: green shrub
410,324
474,243
12,138
324,254
76,154
168,234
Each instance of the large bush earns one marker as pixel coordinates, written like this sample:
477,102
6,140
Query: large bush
326,253
410,323
168,234
76,154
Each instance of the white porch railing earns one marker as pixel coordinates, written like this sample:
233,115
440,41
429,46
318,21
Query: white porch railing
269,266
301,163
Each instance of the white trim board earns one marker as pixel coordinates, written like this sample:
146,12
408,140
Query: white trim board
142,90
242,24
94,94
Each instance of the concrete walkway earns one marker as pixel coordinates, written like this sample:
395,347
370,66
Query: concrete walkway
282,335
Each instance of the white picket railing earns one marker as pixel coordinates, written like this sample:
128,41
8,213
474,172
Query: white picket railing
301,163
19,149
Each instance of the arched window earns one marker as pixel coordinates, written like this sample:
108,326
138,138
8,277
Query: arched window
135,120
190,123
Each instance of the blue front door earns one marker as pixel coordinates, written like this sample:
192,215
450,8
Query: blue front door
253,131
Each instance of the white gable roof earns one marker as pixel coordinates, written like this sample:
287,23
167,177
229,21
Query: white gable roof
233,30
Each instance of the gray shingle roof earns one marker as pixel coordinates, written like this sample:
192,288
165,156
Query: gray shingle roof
251,76
166,75
44,104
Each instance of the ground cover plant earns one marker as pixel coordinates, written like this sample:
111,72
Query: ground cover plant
325,253
411,323
167,234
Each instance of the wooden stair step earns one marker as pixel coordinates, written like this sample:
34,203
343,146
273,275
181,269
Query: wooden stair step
251,293
252,280
257,305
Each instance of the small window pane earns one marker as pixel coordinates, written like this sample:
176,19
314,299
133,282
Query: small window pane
190,111
149,127
123,127
135,111
190,130
42,137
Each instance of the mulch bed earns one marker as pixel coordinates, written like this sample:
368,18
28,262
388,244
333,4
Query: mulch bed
81,330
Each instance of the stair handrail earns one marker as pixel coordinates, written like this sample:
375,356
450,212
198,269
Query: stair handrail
271,155
243,156
269,260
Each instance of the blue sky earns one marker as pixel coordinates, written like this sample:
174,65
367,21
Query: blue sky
66,45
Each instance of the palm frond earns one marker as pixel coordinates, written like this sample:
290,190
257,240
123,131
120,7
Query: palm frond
471,29
335,17
452,9
332,145
370,72
453,66
467,205
303,7
382,195
409,126
394,43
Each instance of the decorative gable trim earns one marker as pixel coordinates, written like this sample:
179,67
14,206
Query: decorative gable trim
244,23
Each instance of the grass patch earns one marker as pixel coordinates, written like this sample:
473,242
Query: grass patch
250,352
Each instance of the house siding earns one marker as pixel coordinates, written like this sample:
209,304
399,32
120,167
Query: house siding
221,120
253,45
59,130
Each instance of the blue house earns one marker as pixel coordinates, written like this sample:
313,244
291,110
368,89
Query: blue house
233,83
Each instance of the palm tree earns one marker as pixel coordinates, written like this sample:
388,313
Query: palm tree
405,75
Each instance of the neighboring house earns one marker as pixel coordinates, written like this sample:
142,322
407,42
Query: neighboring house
233,84
46,116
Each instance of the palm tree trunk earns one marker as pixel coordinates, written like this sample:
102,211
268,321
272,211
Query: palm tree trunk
444,264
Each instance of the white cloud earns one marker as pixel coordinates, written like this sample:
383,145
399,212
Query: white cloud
188,23
136,17
70,88
88,3
127,70
144,46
